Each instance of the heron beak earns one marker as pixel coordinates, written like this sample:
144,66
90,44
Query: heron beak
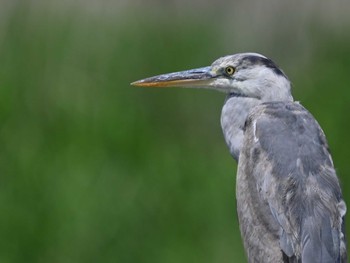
199,77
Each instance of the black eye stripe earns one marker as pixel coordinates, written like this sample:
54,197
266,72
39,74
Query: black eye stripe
256,60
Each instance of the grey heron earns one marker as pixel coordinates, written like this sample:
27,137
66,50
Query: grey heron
289,200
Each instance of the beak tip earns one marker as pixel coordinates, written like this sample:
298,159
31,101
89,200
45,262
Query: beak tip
136,83
144,83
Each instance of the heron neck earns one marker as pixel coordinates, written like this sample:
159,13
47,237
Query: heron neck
233,117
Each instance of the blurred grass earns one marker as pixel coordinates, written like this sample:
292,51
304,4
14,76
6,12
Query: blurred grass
93,170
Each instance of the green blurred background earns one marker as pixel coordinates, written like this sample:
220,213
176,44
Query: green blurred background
93,170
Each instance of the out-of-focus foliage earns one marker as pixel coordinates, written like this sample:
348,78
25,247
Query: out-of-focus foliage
93,170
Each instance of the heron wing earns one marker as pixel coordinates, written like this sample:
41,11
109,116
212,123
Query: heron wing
295,177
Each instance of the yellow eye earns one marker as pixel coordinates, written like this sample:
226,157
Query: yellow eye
230,70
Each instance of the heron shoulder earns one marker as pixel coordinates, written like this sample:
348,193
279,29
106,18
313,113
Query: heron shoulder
286,152
289,135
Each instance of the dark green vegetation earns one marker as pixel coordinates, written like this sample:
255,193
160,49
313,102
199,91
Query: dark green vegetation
93,170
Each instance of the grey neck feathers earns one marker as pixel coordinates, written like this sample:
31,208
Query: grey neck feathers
233,118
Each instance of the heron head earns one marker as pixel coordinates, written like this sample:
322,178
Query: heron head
244,74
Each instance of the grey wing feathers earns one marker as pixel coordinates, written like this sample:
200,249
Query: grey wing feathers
301,188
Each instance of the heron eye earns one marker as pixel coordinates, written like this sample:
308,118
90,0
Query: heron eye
230,70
